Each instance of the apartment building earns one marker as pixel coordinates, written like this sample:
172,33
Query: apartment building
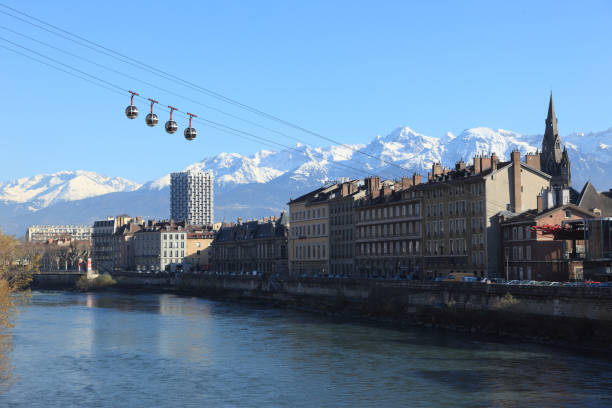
257,245
191,197
198,257
530,254
388,232
309,239
44,233
342,227
123,245
102,241
459,209
161,247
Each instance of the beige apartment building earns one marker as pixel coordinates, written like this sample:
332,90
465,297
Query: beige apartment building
309,241
459,209
198,256
388,230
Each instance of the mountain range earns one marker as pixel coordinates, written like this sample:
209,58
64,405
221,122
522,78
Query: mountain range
260,184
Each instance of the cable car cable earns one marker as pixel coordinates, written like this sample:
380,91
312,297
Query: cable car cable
122,91
207,91
160,88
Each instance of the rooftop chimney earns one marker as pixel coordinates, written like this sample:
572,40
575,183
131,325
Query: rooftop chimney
477,164
416,179
540,201
494,161
516,180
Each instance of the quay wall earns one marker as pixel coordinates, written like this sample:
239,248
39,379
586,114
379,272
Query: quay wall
576,317
55,280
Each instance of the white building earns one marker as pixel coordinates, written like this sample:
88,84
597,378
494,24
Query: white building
161,247
191,197
42,233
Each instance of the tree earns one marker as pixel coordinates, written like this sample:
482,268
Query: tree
17,263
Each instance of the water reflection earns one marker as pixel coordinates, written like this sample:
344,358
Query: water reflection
166,350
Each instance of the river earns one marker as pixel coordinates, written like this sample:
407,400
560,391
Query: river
159,350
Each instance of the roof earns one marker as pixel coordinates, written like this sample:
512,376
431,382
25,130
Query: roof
590,198
533,214
257,229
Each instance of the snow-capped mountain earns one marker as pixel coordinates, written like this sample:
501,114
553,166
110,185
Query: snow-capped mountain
43,190
261,184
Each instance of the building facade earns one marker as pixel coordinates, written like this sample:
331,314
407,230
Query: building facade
44,233
388,234
460,206
259,245
342,227
191,197
161,247
123,245
309,239
102,242
199,250
530,254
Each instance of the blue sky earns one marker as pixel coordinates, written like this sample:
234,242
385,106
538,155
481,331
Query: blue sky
346,69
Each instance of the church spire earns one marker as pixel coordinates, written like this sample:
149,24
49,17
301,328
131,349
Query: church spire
553,160
551,120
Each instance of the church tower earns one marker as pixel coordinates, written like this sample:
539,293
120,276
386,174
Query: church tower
554,160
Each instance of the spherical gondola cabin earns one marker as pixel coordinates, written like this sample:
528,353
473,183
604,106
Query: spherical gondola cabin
152,119
131,112
190,133
171,126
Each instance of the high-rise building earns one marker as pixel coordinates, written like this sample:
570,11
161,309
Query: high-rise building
191,197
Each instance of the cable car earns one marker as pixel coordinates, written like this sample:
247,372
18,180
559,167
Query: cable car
171,126
152,118
131,111
190,133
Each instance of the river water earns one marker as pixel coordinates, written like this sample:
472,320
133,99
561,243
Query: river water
159,350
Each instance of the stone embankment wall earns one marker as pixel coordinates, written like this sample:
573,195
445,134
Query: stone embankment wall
578,317
55,279
569,316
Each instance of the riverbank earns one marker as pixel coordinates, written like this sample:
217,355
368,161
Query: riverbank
574,318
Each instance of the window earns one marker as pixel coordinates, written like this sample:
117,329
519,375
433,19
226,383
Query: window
528,252
568,213
323,228
520,233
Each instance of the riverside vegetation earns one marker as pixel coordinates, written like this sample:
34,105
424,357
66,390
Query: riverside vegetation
17,265
99,282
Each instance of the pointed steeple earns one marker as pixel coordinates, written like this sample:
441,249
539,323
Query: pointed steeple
551,120
551,144
554,160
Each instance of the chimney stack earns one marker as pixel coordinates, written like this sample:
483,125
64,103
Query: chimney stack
540,201
477,164
533,160
416,179
516,180
494,161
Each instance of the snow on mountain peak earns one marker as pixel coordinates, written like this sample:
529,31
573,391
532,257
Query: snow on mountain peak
43,190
